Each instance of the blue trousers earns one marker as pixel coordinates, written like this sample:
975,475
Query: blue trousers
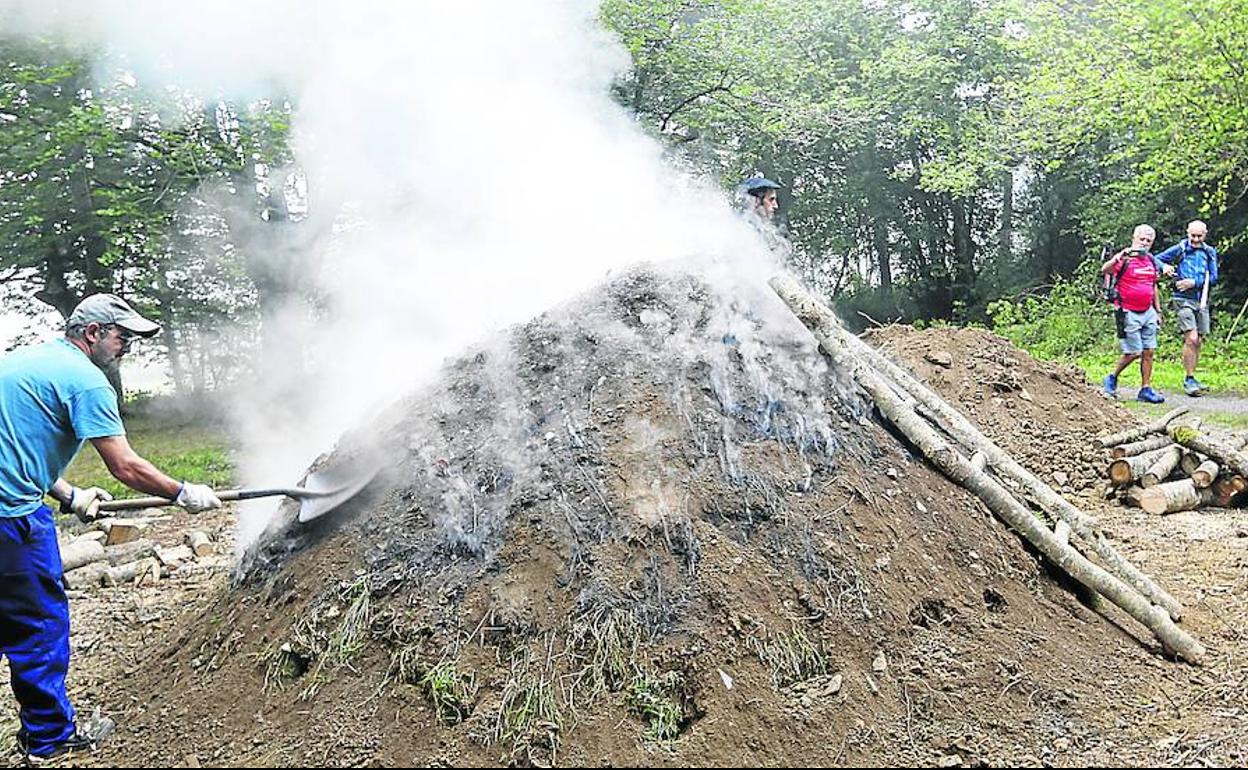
34,627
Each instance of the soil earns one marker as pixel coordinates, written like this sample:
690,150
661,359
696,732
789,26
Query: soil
652,527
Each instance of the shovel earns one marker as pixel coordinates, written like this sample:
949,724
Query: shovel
322,492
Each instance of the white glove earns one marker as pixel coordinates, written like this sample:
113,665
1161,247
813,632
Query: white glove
85,503
1185,284
196,498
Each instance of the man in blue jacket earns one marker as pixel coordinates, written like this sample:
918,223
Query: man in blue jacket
1196,264
53,397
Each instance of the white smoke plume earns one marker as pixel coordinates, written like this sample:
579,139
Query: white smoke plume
475,144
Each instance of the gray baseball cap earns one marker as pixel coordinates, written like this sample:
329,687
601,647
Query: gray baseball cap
109,309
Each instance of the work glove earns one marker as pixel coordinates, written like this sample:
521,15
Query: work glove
196,498
1185,284
85,503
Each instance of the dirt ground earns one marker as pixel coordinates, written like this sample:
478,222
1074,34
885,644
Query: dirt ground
681,540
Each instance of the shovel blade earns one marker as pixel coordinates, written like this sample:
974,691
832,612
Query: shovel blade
336,485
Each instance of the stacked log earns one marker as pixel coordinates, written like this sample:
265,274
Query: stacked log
1173,465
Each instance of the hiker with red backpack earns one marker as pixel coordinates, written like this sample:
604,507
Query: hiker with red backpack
1132,276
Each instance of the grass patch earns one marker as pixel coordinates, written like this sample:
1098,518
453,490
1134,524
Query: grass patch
604,641
659,702
1150,412
792,658
529,718
194,451
450,692
1221,371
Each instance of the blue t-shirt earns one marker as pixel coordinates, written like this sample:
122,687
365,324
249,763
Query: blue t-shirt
52,398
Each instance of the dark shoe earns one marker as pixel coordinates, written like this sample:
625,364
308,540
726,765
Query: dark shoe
1110,385
1192,387
87,737
1148,395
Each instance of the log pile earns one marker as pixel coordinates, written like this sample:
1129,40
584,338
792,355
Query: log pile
1067,536
1172,465
114,555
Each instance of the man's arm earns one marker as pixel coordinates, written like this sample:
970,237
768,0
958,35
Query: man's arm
1169,255
1109,266
132,470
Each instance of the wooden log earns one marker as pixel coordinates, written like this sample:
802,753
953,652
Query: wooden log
176,556
969,436
80,553
1141,446
1204,474
126,573
122,531
1191,461
87,576
1174,639
1160,470
1133,434
1226,488
979,461
199,542
1061,530
128,552
95,535
1132,495
1226,456
1174,496
1128,470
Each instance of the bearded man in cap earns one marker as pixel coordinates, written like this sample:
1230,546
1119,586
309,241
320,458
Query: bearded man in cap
761,200
54,397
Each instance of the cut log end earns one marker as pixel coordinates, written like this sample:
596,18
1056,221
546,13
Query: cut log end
1174,496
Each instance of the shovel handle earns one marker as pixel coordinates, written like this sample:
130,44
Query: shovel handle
134,503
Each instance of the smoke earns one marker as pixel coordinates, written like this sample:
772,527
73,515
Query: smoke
487,173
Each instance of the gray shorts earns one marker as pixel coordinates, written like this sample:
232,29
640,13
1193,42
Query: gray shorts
1192,316
1139,331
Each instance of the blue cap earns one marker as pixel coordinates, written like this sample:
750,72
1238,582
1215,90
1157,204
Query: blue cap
756,183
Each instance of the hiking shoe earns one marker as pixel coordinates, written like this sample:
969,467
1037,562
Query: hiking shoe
1147,394
1110,385
1192,387
87,737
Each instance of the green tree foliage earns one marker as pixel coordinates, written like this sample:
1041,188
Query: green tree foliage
938,154
107,187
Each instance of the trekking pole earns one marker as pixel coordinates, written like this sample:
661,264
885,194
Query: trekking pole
1231,333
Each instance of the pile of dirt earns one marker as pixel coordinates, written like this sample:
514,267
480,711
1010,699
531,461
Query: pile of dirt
652,527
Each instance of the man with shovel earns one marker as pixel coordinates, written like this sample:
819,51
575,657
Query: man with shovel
53,397
1196,265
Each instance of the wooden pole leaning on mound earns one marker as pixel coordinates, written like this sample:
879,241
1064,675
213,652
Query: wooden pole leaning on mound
970,437
832,338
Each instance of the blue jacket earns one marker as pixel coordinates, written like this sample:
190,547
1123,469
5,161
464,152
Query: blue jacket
1192,263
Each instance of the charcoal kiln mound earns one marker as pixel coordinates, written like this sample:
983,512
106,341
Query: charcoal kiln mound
655,527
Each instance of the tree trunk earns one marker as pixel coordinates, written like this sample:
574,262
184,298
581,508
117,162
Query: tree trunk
1131,434
1161,469
1174,496
1229,458
1005,248
1141,446
80,553
1205,474
1128,470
